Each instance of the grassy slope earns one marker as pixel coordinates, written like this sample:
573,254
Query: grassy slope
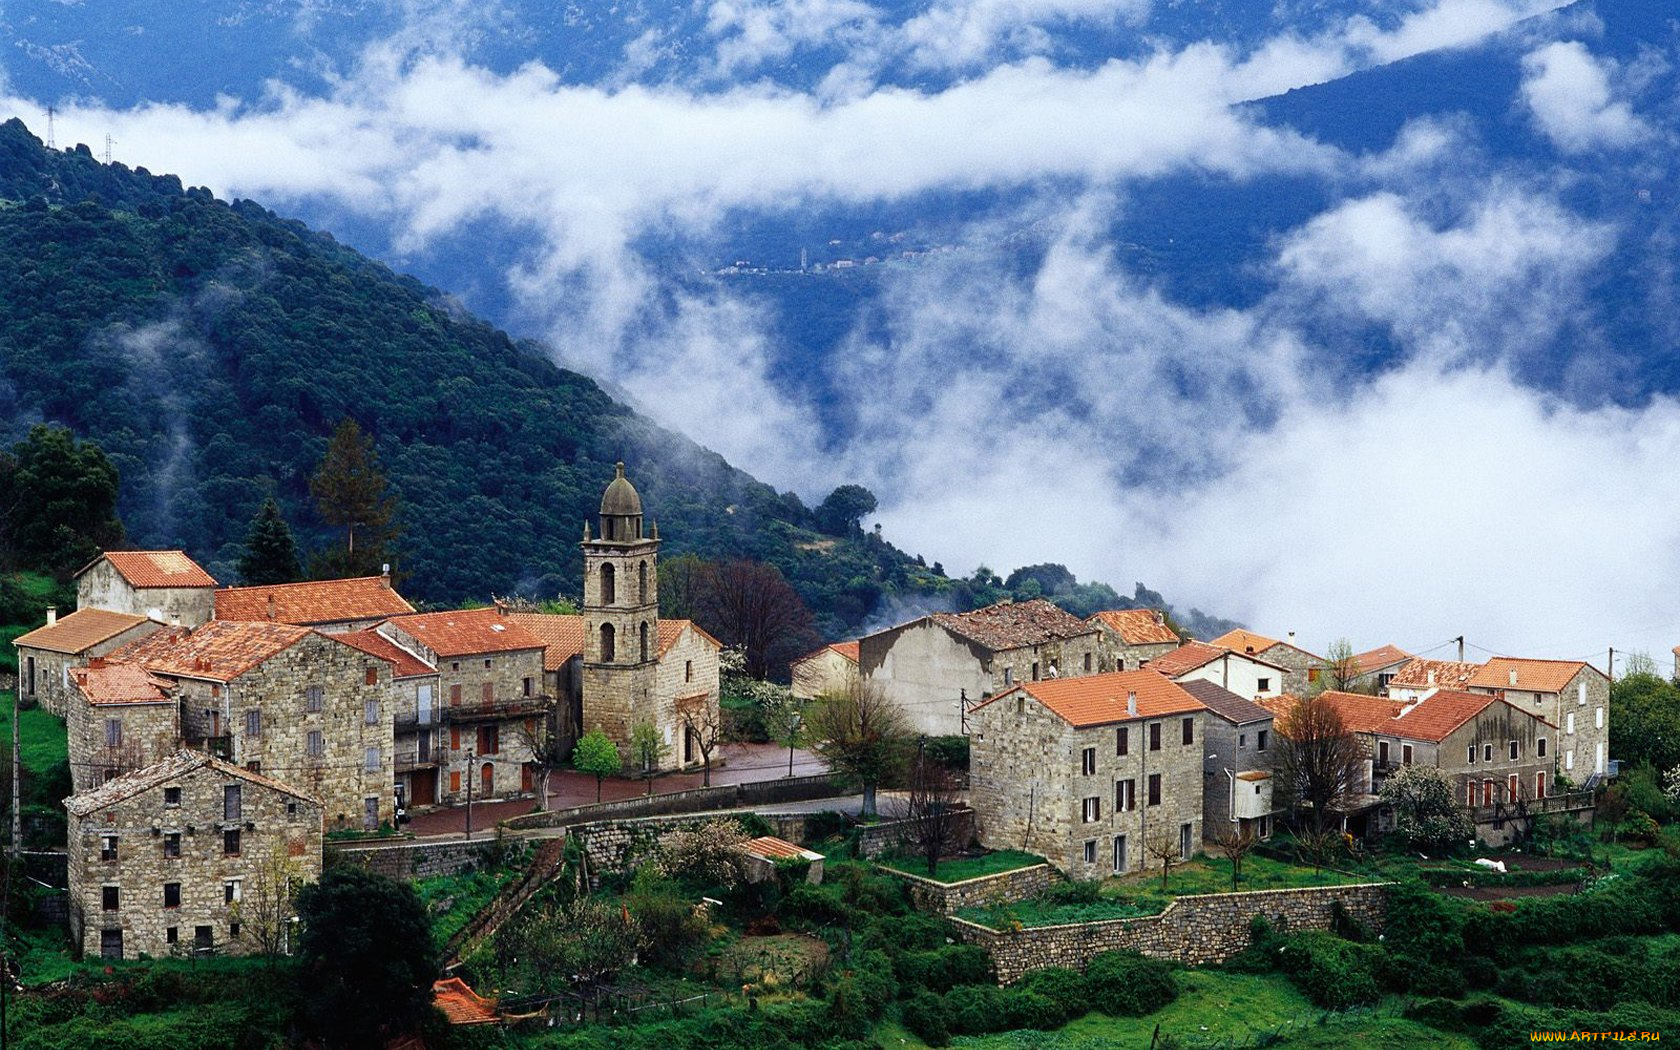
41,737
966,867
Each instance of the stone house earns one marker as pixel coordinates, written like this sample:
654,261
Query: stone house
417,754
330,606
1237,762
1086,771
828,670
939,666
492,711
166,586
284,701
1571,694
1377,667
46,654
1304,670
176,856
1417,677
1247,676
1132,637
121,718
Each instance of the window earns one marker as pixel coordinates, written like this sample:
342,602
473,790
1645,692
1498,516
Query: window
172,796
487,693
1091,851
1581,693
1512,749
1312,674
455,738
1125,796
688,670
313,697
204,938
528,686
233,929
1122,740
1260,740
455,695
230,842
1119,854
489,739
1035,670
641,581
373,676
1569,759
254,766
1382,752
1088,762
172,844
232,802
609,584
1021,706
1540,747
110,898
1242,741
1262,685
172,935
1087,662
107,847
253,723
1009,676
1154,789
317,745
1470,755
643,632
230,891
172,895
1487,752
1487,792
1154,736
1091,810
608,648
291,809
487,664
455,666
113,732
370,712
1569,723
1405,754
1598,718
370,760
1187,731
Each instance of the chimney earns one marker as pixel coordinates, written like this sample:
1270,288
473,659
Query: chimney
1513,676
1131,703
1431,677
385,571
1291,638
52,616
1160,618
271,607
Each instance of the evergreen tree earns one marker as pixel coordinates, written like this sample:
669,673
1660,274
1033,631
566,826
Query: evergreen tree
350,492
58,502
271,554
367,953
596,755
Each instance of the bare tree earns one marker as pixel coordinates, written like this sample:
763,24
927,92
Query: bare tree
862,735
1320,760
703,722
1317,848
933,818
268,901
1235,841
533,736
1343,672
1163,846
750,604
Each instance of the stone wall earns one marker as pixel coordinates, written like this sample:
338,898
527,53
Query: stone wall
420,860
148,733
699,800
689,668
103,587
945,898
878,840
1194,930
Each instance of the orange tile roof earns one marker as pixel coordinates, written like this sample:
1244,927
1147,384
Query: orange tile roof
1380,657
561,635
467,632
849,650
1242,640
80,631
157,569
1186,658
1541,676
104,683
1136,626
218,651
1436,717
1011,625
1101,699
404,664
671,630
1360,713
1449,674
175,766
461,1004
773,848
313,602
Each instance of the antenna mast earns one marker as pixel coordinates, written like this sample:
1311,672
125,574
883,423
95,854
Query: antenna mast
51,112
109,142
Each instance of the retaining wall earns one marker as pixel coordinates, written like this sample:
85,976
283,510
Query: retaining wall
878,840
698,800
1007,887
419,860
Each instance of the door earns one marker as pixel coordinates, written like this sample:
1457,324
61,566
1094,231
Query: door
423,702
1119,854
488,780
423,787
110,944
370,814
688,745
30,678
1186,836
526,778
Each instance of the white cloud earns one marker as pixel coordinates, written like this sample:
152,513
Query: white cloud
1568,92
1444,24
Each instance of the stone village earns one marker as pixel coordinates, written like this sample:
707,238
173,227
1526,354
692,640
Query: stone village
214,730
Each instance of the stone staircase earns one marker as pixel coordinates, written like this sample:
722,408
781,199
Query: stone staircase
545,865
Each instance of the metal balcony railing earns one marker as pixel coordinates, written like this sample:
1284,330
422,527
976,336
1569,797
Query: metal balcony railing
481,711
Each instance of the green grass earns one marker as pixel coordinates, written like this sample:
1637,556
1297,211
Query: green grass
42,740
453,900
964,868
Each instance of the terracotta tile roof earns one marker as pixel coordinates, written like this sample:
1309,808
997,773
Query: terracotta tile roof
1244,641
1136,626
671,630
1254,774
1101,699
104,683
79,631
561,635
1360,713
1380,657
845,650
218,651
772,848
461,1004
1224,703
175,766
1011,625
1435,718
467,632
404,664
314,602
1449,674
1191,655
156,569
1541,676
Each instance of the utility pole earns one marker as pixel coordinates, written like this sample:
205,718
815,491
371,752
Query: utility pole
1461,648
109,142
469,791
1610,665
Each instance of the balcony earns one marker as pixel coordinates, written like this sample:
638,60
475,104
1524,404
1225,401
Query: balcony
495,710
419,758
409,721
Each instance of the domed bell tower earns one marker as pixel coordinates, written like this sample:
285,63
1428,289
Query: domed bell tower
620,618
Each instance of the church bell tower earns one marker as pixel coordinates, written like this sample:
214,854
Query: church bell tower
620,618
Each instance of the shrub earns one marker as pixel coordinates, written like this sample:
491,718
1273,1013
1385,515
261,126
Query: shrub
975,1010
809,906
1334,973
927,1015
825,825
672,928
944,968
914,932
1025,1009
1125,984
1073,891
1067,988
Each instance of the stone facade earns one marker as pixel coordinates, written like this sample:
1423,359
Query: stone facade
143,735
945,898
687,674
1194,930
1237,777
44,667
831,669
101,586
1476,757
1304,672
160,859
621,624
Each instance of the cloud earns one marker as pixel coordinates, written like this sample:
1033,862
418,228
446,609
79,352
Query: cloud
1568,93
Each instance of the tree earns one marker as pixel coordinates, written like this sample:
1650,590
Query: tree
1235,841
1320,760
680,581
1611,808
932,823
367,953
1425,812
1343,672
596,755
703,723
268,903
708,856
1318,848
861,734
58,502
1646,726
350,492
844,509
271,554
1052,579
581,944
544,749
1163,846
647,748
751,605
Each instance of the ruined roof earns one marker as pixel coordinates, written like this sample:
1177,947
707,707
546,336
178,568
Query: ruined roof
174,767
317,601
1448,674
461,1004
1540,676
218,651
1100,699
1011,625
1360,713
771,848
1380,657
156,569
561,635
1436,717
79,631
467,632
1186,658
1137,626
404,664
1226,704
105,683
1254,774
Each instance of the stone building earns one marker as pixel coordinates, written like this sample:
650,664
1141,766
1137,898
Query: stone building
1304,670
1571,694
182,855
1376,668
331,606
1087,771
830,669
417,754
939,666
492,712
46,654
1417,677
288,702
1132,637
1237,762
166,586
121,718
1244,675
620,665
